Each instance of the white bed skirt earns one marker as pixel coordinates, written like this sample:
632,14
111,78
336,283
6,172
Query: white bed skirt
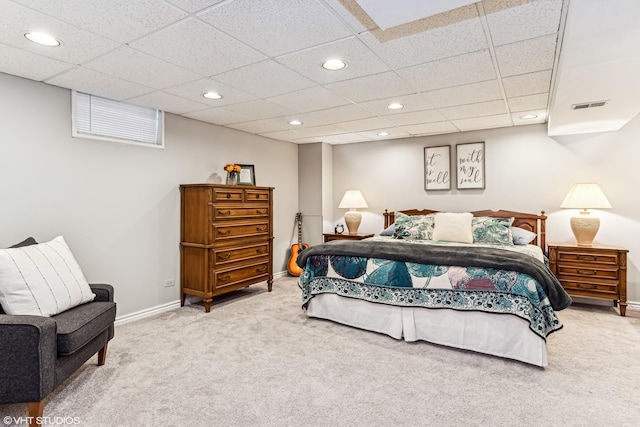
490,333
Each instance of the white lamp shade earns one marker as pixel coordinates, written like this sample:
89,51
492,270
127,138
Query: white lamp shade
585,196
352,199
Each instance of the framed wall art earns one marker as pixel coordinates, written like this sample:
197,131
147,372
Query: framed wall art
437,168
470,165
247,175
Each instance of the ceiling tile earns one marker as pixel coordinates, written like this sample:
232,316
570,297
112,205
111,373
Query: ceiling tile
29,65
285,135
466,94
317,131
95,83
412,102
257,126
430,128
290,24
195,90
282,122
485,122
260,109
474,110
509,22
168,102
527,84
121,20
198,47
529,102
341,114
193,6
218,116
138,67
459,70
252,79
367,88
416,43
367,124
359,58
76,45
427,116
351,12
344,138
309,99
526,56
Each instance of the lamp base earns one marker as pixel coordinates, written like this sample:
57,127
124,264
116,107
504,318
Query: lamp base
353,218
585,227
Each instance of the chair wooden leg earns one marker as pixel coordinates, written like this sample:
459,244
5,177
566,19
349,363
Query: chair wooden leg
35,411
102,355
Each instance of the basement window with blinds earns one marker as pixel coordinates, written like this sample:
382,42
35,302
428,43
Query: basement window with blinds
108,120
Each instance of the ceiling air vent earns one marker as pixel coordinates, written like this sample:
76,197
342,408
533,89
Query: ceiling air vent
589,105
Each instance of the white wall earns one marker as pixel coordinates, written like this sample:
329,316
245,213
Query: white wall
525,171
117,205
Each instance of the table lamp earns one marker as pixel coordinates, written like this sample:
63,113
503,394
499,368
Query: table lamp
585,196
353,200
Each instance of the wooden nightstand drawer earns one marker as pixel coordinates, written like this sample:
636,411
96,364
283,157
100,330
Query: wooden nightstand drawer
591,271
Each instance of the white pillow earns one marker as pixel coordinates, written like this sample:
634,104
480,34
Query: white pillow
42,279
453,227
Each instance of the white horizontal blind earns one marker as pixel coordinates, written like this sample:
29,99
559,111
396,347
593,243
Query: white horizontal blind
102,118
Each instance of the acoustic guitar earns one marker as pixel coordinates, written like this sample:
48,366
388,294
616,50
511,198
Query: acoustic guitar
296,248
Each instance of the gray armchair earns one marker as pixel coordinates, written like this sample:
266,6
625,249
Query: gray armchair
37,354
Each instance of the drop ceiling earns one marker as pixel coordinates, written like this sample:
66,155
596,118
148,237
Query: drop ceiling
483,65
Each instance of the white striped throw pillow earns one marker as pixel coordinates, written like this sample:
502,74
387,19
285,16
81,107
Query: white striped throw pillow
43,279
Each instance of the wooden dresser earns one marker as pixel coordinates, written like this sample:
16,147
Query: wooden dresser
591,271
226,239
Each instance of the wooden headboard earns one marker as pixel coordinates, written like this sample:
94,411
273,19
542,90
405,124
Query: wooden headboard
527,221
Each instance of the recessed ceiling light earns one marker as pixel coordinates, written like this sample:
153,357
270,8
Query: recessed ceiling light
212,95
42,38
395,106
334,64
528,116
295,122
383,134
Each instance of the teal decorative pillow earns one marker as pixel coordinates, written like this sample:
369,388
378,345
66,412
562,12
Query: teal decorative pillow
493,231
414,227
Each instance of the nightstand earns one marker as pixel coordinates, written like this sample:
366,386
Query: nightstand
333,236
591,271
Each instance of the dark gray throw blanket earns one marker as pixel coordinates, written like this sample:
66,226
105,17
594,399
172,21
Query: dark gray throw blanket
468,256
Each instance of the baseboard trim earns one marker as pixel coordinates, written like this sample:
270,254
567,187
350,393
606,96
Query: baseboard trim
127,318
634,304
169,306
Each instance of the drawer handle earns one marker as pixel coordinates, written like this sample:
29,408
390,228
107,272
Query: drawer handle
587,272
224,256
224,213
228,195
257,196
224,278
261,269
224,232
586,258
261,212
584,286
261,250
261,228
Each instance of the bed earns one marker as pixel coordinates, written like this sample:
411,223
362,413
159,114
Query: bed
454,279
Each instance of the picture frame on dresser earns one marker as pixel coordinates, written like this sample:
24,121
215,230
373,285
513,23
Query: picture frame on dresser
247,175
437,168
470,166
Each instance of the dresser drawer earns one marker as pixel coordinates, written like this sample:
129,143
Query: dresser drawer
221,194
596,289
227,212
256,195
587,271
229,255
606,258
234,276
222,231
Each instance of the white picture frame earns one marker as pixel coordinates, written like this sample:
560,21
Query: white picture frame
470,166
437,168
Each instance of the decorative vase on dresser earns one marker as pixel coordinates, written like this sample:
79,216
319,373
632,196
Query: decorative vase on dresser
226,239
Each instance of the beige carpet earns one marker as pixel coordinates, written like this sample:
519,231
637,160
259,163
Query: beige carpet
257,360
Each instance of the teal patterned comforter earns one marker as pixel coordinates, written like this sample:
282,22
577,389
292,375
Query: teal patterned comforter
412,284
